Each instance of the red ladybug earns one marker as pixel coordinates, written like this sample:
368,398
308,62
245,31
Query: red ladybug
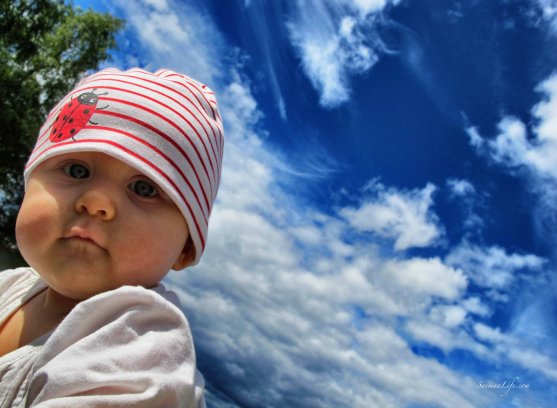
74,116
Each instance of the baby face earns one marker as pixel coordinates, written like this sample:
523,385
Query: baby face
90,223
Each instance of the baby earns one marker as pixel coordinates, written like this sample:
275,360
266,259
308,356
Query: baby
118,191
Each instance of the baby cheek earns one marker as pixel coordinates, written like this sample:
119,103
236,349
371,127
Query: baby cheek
153,250
157,249
36,220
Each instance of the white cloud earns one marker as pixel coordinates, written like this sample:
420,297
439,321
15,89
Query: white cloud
474,137
370,6
464,193
425,277
450,316
511,146
548,10
173,35
461,188
320,60
336,40
443,337
159,5
161,29
489,334
475,305
518,145
507,345
493,267
449,327
530,150
404,216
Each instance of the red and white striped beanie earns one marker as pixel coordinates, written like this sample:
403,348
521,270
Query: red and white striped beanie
165,125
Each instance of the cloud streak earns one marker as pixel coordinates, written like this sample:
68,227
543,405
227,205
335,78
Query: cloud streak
334,41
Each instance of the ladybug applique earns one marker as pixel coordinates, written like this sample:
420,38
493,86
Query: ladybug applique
74,115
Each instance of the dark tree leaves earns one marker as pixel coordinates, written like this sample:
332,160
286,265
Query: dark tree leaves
45,46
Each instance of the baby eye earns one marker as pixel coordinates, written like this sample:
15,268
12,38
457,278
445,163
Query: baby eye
143,188
77,170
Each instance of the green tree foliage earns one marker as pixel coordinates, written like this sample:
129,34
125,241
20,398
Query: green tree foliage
45,45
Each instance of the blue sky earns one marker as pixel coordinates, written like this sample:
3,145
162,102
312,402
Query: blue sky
385,230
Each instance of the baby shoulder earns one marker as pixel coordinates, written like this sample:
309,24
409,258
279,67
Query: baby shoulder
132,337
126,317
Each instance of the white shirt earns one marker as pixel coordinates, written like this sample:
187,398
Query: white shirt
129,347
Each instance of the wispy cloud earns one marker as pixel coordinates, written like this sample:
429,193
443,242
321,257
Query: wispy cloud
510,346
548,9
336,40
404,216
493,268
463,192
262,25
172,32
461,188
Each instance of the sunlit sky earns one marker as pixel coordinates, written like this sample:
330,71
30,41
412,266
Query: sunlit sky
385,229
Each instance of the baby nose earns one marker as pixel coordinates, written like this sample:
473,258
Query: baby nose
96,203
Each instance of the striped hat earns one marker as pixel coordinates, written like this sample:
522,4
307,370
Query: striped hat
165,125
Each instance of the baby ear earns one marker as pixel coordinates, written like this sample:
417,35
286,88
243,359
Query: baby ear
186,256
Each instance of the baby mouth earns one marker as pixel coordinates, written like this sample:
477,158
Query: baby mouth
83,236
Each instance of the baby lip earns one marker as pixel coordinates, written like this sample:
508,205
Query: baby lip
84,235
